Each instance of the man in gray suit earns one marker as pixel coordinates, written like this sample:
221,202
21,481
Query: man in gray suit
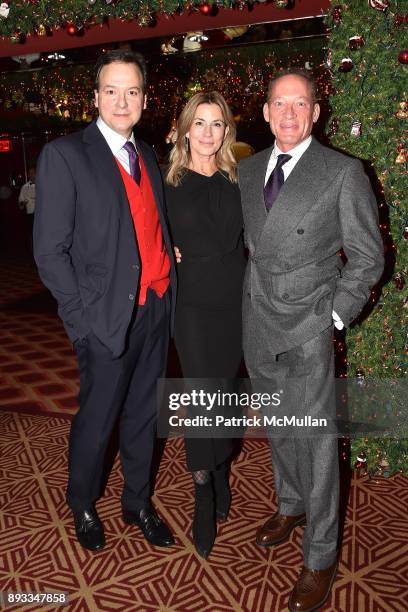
302,204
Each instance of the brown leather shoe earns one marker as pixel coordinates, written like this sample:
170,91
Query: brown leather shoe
312,589
278,528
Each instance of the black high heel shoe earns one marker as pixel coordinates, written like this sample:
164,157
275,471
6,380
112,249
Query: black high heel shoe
222,493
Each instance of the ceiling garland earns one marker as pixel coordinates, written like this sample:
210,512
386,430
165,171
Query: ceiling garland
18,18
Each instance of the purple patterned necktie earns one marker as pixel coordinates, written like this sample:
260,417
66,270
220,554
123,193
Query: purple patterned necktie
133,161
275,181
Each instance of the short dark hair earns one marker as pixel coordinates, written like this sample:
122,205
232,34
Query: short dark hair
294,72
120,55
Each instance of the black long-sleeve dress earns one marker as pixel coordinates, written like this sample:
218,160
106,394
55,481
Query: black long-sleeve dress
206,223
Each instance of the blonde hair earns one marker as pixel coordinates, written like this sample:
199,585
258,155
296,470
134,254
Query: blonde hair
180,156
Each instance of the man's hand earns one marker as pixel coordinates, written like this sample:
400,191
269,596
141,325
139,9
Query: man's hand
177,254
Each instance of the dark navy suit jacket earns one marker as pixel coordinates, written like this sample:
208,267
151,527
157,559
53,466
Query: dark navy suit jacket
84,240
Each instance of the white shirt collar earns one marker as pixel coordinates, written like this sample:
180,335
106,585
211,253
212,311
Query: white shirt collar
114,140
297,151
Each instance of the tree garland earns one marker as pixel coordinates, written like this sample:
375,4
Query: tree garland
369,118
21,17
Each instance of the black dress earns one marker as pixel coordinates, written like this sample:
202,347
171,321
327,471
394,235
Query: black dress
206,223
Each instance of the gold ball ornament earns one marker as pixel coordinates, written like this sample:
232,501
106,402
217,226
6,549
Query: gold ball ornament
402,112
145,19
401,157
235,32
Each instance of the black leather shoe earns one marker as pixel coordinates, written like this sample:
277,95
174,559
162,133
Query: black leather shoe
89,529
153,528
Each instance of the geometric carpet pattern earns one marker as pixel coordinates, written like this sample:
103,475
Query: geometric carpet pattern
39,552
38,366
38,548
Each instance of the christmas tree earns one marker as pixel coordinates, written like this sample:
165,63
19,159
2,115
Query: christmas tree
369,105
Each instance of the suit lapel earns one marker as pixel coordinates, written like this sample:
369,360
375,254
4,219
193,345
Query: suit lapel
109,179
299,192
104,164
153,173
156,183
255,212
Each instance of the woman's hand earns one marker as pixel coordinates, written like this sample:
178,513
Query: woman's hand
177,254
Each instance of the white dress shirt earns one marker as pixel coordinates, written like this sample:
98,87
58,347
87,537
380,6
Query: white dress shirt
27,197
287,168
296,153
116,142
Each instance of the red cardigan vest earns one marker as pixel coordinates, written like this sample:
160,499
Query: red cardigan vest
155,262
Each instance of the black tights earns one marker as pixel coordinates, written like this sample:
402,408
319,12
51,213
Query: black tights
201,477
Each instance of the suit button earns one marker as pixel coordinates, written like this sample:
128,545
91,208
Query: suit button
131,297
135,267
300,231
285,296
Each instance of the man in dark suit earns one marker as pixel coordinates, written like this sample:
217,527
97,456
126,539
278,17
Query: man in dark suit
103,249
302,204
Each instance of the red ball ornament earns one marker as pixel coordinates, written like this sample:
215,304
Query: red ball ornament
346,64
361,460
379,5
356,42
204,8
398,21
399,281
403,57
71,29
337,14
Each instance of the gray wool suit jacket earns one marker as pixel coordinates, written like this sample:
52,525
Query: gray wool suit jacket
295,276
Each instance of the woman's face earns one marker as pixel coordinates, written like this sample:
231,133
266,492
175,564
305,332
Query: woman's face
207,131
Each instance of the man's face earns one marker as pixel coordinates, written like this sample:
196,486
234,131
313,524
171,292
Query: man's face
120,98
290,111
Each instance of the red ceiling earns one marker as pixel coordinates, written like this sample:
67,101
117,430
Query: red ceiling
117,30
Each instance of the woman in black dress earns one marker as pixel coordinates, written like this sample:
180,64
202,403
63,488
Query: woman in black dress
206,222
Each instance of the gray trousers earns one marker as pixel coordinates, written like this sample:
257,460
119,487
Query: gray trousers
305,462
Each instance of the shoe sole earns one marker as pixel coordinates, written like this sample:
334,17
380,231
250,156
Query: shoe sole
94,549
323,601
283,538
97,549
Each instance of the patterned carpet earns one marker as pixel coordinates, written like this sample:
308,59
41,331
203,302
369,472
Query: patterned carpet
38,549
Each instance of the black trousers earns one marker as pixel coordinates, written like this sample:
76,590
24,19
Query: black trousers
121,389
